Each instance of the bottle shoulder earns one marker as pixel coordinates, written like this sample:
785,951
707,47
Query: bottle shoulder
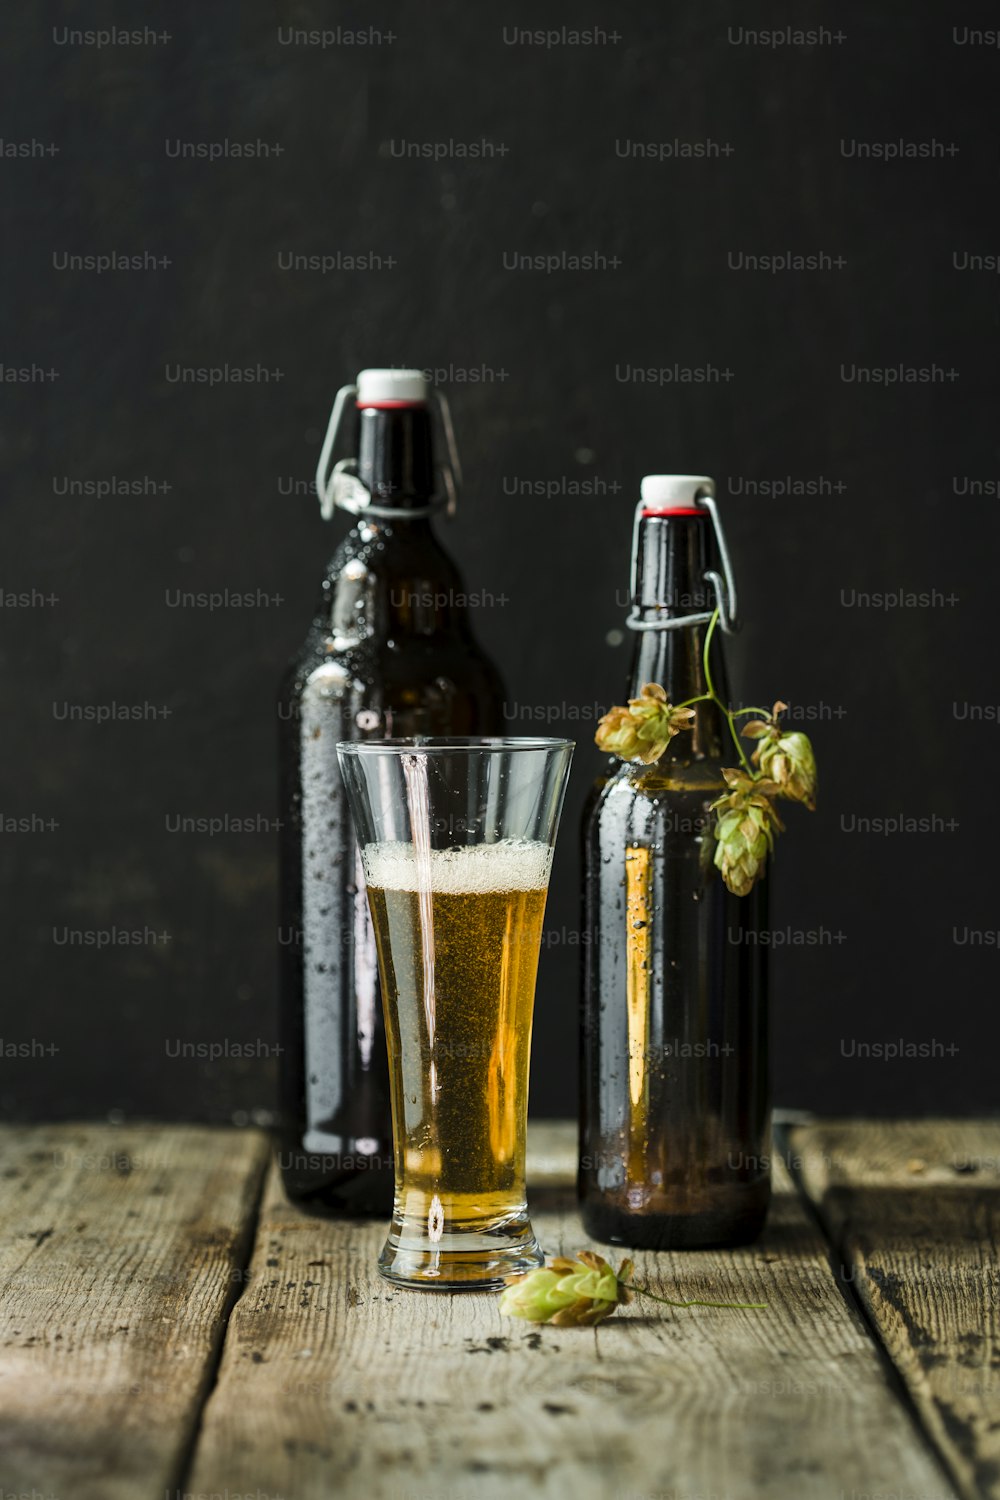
388,547
651,802
436,660
391,634
630,781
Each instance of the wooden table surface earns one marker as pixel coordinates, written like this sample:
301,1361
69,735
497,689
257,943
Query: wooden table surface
173,1328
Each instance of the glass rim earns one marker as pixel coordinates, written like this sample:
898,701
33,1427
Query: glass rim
450,745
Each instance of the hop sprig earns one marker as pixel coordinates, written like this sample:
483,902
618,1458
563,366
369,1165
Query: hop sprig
582,1292
644,729
783,765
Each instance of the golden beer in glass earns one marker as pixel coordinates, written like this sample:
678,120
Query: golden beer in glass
457,906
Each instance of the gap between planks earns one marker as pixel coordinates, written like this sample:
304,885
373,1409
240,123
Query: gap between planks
912,1209
117,1251
242,1256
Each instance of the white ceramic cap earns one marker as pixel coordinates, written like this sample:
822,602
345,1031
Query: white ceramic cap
391,385
680,490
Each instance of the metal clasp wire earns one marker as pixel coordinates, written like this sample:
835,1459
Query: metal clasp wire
338,486
724,584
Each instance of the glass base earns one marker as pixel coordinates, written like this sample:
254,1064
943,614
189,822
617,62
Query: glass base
476,1259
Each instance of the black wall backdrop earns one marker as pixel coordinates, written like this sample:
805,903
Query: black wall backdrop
846,409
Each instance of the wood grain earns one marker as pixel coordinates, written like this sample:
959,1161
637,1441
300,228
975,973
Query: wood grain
914,1211
333,1382
121,1251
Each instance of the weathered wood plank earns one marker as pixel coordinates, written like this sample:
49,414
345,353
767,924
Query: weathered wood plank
914,1210
120,1254
334,1383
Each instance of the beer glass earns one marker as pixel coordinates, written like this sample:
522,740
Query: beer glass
456,839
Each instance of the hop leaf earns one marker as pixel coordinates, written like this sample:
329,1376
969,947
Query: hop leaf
568,1293
644,729
745,828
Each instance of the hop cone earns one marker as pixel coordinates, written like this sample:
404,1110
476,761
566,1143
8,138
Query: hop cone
787,759
790,763
644,729
568,1293
745,830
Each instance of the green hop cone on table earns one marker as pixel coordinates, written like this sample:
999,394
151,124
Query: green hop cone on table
568,1293
582,1292
644,729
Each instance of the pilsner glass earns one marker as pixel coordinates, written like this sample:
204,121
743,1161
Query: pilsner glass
456,841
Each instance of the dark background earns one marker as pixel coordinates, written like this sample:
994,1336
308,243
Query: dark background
885,505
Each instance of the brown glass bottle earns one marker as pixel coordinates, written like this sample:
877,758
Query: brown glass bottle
389,652
675,1109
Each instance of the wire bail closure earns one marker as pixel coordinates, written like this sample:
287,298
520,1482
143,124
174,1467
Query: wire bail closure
724,584
338,485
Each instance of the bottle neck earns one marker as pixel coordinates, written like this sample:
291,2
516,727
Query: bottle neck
670,583
396,455
391,578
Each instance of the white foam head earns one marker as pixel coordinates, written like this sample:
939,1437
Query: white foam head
475,869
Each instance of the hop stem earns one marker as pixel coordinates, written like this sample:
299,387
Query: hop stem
714,695
695,1301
